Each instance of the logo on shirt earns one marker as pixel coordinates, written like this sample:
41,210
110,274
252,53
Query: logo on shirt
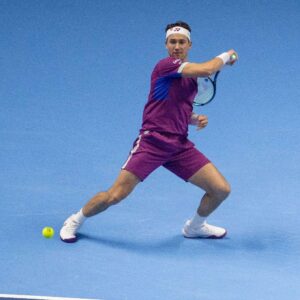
177,61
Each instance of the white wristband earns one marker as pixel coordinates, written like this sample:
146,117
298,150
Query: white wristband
225,57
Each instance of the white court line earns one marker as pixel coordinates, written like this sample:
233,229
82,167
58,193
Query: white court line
29,297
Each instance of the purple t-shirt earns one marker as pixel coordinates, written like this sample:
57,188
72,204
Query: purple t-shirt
170,101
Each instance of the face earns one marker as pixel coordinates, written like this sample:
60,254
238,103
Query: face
178,46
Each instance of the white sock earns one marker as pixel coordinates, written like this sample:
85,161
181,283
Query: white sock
197,220
80,218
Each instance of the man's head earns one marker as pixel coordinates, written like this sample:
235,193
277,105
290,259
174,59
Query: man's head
178,39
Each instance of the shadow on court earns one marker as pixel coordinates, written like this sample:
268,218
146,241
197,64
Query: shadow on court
177,244
164,246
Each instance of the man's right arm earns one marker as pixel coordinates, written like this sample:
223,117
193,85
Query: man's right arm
208,68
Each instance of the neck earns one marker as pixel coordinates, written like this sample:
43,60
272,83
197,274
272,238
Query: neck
183,59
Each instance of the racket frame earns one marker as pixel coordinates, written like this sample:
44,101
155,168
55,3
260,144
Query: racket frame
214,83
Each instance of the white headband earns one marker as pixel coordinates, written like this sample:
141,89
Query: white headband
179,30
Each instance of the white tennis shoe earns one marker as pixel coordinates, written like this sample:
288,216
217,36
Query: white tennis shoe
69,230
203,231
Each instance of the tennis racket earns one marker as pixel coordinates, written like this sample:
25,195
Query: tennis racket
207,88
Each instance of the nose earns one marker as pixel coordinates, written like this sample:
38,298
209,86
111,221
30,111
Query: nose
177,46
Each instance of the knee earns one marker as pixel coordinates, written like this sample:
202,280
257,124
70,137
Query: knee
121,189
222,191
116,196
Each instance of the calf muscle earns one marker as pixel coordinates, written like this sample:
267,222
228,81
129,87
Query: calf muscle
122,187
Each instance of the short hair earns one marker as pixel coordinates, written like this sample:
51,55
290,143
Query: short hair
180,24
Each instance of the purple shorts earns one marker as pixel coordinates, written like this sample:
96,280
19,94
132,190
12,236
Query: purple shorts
176,153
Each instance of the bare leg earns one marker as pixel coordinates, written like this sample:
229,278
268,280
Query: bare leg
216,190
122,187
214,184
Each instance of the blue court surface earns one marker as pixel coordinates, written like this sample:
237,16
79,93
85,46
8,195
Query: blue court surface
75,76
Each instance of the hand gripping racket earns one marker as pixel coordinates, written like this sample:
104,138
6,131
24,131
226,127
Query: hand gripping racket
207,87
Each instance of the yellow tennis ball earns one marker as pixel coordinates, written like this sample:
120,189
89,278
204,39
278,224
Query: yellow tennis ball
48,232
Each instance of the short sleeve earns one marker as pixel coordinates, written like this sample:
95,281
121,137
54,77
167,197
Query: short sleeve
166,71
180,69
169,67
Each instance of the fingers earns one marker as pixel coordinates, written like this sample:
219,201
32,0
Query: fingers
231,52
233,57
202,122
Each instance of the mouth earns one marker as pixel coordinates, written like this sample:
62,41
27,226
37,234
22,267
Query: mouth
177,53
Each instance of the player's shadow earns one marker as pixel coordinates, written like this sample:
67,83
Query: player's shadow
168,246
177,244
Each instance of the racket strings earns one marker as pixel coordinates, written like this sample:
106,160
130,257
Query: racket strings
206,91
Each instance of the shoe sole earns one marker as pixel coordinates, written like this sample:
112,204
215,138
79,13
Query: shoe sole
213,237
69,241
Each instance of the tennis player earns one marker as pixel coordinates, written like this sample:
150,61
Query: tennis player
163,139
